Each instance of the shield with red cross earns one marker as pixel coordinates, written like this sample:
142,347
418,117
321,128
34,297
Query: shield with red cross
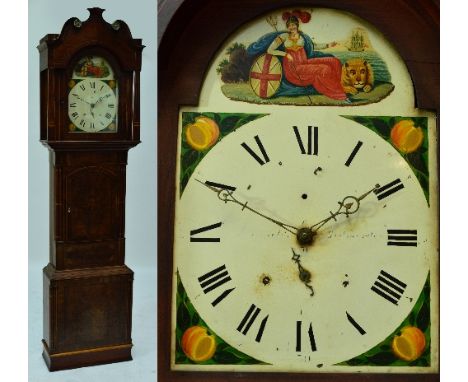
265,75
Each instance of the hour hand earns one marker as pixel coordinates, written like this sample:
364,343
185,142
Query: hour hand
101,98
348,206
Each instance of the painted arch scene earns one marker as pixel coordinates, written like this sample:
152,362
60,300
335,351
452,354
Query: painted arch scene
304,57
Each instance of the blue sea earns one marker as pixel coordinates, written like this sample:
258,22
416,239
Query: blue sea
380,68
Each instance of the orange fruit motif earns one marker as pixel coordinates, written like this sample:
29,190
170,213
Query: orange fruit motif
197,344
406,137
410,344
202,134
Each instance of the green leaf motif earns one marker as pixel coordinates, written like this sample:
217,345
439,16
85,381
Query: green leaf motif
225,358
183,317
227,123
381,126
423,318
382,355
187,316
382,359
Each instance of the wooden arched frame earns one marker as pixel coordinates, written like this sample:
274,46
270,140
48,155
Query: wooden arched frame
190,33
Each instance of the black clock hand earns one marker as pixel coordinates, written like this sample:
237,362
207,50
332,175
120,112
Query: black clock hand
81,99
227,196
350,204
93,105
101,98
304,274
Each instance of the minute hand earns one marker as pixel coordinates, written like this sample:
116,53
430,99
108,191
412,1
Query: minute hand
228,197
348,206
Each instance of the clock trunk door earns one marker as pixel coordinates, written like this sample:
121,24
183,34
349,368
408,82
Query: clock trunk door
92,212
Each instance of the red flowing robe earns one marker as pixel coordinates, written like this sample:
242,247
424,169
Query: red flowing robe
323,73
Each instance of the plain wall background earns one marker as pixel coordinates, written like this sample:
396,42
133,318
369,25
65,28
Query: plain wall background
48,16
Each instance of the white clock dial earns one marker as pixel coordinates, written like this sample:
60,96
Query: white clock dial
361,287
92,105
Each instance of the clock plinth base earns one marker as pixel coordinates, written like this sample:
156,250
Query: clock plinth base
87,316
89,357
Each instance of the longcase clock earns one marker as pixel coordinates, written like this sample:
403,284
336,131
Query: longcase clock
89,104
298,191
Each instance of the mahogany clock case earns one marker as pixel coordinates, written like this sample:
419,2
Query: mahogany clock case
96,281
412,27
88,288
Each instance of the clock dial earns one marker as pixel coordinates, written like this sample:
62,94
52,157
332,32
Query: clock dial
92,105
92,98
297,304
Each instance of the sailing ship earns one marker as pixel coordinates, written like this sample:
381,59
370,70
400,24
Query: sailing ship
357,41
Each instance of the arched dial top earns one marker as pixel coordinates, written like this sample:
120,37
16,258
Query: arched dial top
93,96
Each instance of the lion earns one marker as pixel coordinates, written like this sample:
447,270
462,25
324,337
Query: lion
356,75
